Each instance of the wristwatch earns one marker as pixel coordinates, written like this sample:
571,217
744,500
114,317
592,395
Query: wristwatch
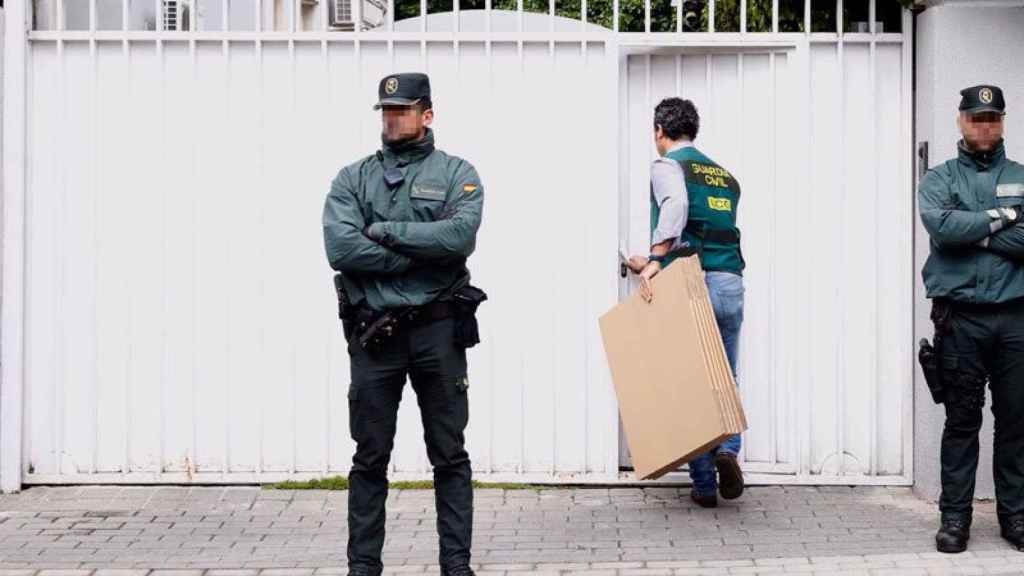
658,259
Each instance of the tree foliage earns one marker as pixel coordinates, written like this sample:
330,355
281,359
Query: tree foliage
664,14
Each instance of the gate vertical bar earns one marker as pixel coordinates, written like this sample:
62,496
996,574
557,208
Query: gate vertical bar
58,386
94,80
842,377
873,90
773,389
13,311
802,68
906,136
226,55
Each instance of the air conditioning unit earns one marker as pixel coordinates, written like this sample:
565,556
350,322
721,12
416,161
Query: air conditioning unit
176,16
340,14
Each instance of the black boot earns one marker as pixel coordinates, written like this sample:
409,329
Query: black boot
462,570
1012,530
730,477
953,535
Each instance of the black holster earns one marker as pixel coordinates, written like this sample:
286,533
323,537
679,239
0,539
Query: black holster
466,300
346,312
931,356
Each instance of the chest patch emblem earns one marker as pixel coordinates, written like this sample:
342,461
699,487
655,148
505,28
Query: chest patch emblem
720,204
427,192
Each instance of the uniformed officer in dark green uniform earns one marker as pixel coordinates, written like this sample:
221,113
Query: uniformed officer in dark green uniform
398,227
971,208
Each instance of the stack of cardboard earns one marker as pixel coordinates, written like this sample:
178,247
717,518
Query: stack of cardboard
677,395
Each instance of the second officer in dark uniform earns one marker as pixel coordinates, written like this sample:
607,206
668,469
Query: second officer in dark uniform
971,207
398,227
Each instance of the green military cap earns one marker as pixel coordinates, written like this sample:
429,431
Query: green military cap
984,98
403,90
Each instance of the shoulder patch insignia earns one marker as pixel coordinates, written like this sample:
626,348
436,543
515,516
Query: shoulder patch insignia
469,188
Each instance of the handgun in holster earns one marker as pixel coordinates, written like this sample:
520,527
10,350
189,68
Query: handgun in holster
931,356
373,334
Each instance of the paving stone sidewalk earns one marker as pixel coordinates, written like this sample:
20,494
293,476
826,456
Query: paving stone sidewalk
596,531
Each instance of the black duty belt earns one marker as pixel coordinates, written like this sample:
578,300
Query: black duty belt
425,314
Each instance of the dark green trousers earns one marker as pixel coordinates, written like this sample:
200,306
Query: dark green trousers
984,344
436,367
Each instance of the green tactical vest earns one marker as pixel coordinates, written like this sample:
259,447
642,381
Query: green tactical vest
714,197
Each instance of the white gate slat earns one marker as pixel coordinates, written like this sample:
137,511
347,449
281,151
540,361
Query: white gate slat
537,343
825,267
758,203
40,262
860,295
507,196
314,300
246,195
893,349
182,201
214,285
144,227
601,267
78,283
278,429
566,70
112,297
787,170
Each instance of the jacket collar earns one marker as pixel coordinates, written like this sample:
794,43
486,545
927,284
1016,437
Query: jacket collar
406,153
981,160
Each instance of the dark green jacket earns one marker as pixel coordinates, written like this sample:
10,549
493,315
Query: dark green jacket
408,245
968,262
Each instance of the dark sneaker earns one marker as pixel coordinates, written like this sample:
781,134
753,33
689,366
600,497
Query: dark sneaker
953,535
1011,529
462,570
705,501
730,477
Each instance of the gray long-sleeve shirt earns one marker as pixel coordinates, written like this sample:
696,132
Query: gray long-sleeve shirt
669,189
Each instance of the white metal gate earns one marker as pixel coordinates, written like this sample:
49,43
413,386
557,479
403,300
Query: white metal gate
818,135
168,314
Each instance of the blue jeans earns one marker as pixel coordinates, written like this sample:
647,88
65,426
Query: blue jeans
726,291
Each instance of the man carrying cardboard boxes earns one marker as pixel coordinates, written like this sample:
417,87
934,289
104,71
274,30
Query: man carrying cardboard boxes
693,209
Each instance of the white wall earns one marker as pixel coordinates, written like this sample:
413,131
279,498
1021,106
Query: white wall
959,46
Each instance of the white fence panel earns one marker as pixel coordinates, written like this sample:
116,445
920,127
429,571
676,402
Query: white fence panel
825,351
181,321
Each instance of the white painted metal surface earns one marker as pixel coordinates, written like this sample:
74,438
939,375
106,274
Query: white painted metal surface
826,216
179,322
12,308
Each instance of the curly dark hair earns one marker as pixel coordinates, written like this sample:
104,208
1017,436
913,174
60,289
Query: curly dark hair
677,118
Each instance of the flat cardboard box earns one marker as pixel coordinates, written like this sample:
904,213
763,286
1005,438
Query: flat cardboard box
677,395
